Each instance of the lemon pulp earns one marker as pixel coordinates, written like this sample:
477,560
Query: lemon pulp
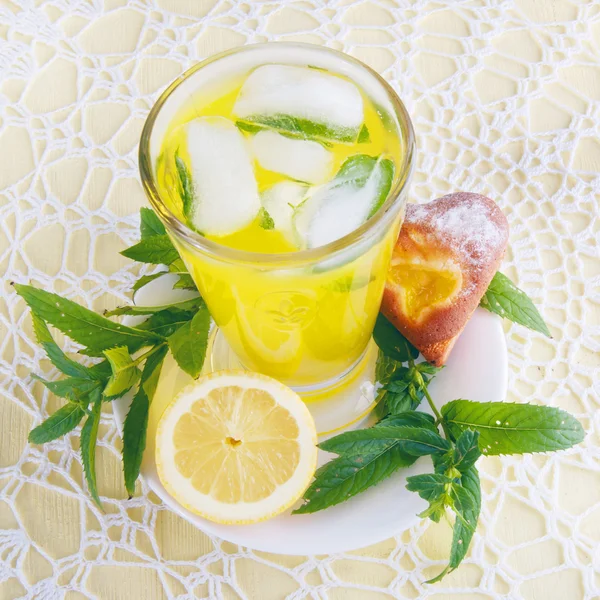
236,447
236,444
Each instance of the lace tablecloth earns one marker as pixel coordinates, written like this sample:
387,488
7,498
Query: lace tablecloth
505,98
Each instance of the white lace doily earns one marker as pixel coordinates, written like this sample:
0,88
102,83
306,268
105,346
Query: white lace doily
505,98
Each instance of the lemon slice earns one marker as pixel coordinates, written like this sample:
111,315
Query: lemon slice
236,447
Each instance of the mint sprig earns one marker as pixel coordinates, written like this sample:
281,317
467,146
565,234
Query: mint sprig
455,438
131,357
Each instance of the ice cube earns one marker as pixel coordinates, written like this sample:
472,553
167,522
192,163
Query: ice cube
336,209
225,191
280,95
299,159
280,201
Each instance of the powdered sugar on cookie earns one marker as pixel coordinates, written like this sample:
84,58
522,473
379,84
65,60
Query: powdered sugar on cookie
471,226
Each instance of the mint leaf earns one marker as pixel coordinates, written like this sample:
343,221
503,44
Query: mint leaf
266,221
191,304
167,321
188,343
298,128
346,476
413,441
150,224
432,487
466,451
391,342
136,422
57,357
364,137
125,373
508,428
73,388
185,282
504,298
82,325
151,371
466,520
409,419
385,368
65,419
359,169
88,438
146,279
467,515
248,127
186,191
155,250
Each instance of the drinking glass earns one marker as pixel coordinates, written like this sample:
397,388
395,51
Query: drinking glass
304,317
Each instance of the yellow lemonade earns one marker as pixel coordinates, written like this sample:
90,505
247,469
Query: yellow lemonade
279,188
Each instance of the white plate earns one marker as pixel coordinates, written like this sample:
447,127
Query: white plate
477,370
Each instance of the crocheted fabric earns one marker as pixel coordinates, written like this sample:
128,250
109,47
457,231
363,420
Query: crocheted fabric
505,99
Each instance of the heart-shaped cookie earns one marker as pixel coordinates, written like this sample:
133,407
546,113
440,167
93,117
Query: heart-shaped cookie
446,255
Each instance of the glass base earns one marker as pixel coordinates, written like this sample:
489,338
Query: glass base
335,405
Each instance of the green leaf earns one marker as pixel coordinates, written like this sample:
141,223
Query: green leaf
57,357
185,282
385,368
150,224
136,422
178,267
466,520
466,451
504,298
83,325
151,371
155,250
409,419
88,438
413,441
432,487
507,428
391,342
167,321
186,191
358,170
73,388
248,127
346,476
190,304
65,419
146,279
298,128
135,429
188,343
266,220
364,137
125,373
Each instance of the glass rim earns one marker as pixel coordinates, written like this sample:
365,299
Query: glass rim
221,251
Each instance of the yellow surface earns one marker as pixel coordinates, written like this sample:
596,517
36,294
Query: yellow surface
505,100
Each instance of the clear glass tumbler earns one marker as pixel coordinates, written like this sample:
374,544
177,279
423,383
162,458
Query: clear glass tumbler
306,317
